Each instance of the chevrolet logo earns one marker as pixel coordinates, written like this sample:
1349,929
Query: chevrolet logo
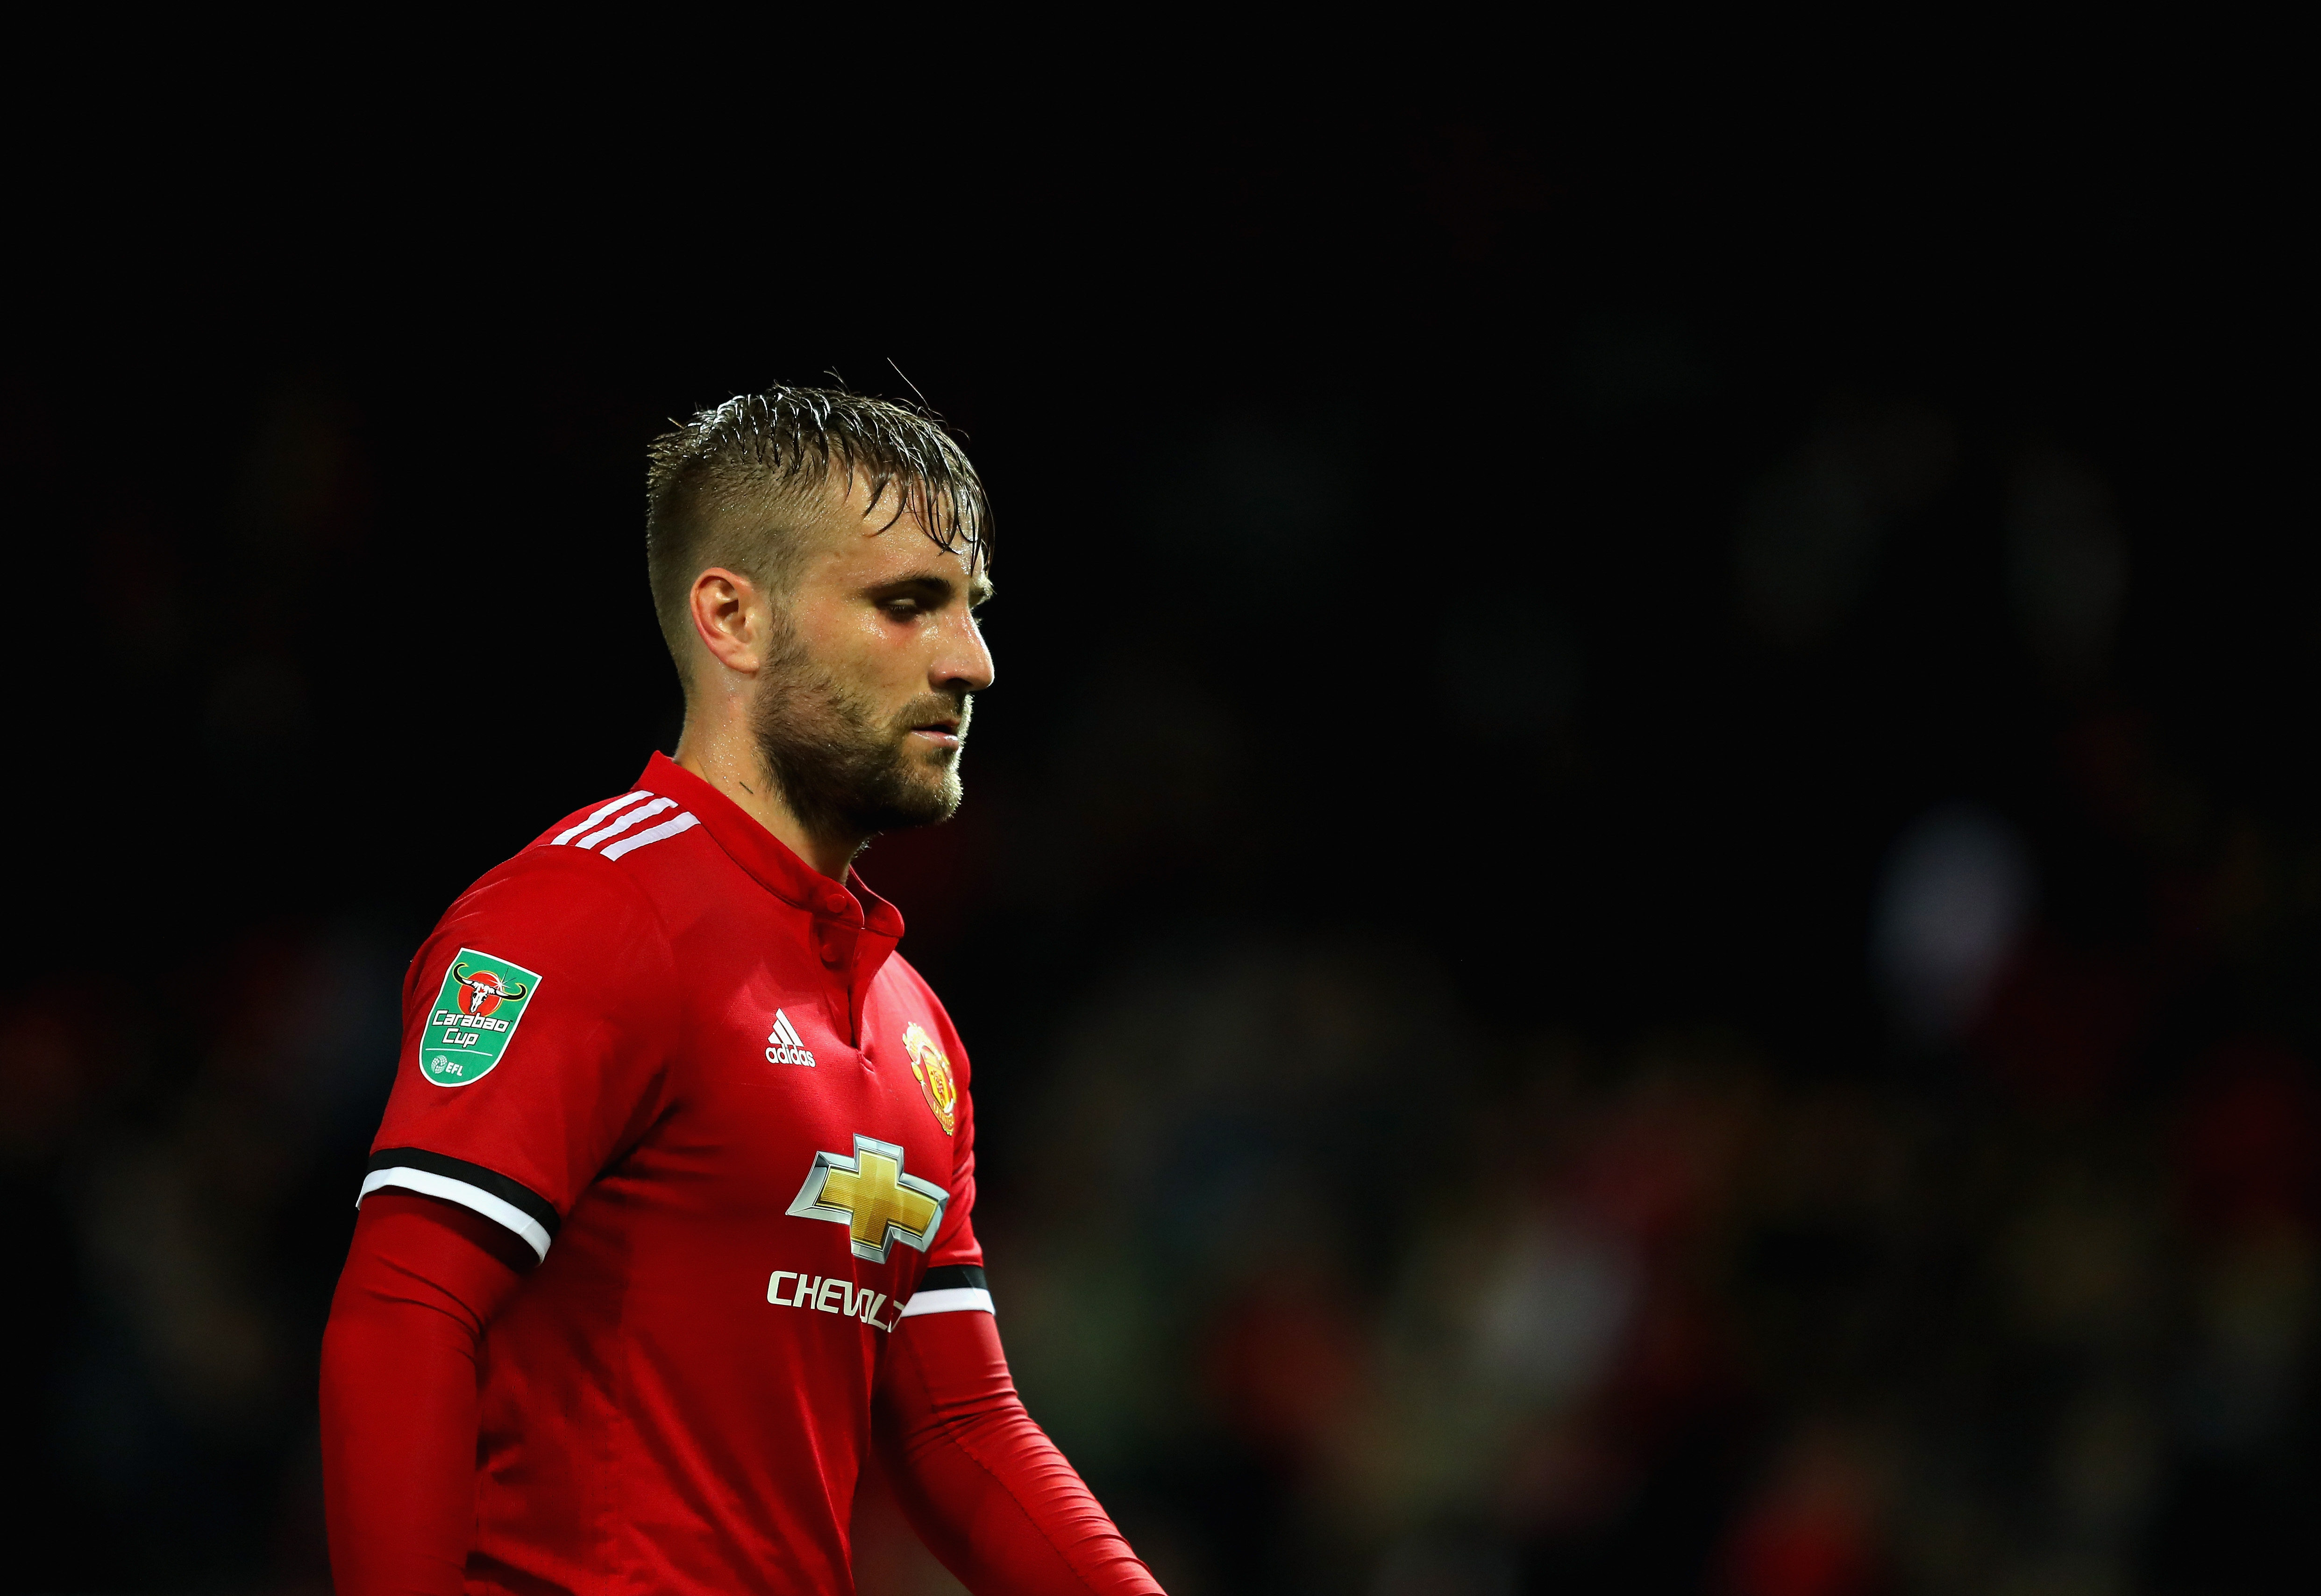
871,1195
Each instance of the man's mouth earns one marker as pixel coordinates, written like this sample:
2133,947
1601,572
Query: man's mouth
942,734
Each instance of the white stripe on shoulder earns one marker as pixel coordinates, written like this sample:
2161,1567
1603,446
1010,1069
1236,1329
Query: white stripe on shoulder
626,821
950,1300
427,1183
661,833
563,837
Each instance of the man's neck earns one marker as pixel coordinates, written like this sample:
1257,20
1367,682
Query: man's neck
729,761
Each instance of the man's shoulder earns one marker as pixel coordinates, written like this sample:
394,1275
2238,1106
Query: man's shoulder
902,980
623,851
638,823
906,992
584,897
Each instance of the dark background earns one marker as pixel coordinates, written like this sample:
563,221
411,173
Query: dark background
1637,908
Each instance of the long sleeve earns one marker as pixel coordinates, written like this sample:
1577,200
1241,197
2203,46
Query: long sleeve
423,1279
981,1484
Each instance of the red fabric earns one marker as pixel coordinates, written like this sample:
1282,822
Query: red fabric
423,1279
708,1034
985,1490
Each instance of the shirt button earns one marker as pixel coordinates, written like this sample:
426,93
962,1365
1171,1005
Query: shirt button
830,953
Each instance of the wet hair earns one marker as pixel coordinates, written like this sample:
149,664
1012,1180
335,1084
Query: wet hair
734,485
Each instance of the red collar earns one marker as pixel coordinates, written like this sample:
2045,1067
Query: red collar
766,858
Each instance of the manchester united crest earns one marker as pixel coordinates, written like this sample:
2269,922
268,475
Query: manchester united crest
934,1071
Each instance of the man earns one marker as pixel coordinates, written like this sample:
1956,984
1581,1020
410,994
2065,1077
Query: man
669,1217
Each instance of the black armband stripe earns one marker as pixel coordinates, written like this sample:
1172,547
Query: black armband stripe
952,1276
436,1175
514,1193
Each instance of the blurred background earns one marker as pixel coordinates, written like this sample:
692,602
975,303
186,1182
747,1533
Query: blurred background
1637,911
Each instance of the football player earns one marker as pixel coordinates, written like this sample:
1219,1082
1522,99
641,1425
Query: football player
670,1219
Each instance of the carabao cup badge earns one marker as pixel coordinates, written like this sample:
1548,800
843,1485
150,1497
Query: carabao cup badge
483,1000
934,1071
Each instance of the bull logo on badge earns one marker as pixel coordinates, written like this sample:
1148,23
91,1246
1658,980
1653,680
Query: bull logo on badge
482,992
934,1071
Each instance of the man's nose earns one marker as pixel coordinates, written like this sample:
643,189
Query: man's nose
963,663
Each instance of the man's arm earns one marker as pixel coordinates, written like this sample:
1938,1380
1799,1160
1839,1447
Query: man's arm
423,1279
985,1490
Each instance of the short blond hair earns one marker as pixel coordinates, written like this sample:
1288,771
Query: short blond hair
732,486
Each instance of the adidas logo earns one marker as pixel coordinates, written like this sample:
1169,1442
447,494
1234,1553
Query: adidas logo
789,1047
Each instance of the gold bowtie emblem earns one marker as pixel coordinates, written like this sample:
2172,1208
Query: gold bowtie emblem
871,1195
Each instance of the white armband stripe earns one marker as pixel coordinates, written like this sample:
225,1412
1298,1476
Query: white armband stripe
949,1299
429,1184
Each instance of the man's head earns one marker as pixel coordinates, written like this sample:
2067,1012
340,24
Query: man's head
816,559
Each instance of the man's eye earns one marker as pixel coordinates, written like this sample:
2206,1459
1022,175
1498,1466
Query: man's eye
902,609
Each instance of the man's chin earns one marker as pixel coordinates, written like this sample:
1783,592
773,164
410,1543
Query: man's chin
940,805
922,805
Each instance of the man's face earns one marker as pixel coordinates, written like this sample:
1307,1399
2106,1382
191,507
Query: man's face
861,706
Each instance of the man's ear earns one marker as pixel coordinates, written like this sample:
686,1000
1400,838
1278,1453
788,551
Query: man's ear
731,618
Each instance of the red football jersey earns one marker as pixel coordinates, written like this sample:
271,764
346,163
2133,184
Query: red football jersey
695,1076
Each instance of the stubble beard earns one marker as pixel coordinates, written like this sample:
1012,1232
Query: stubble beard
846,774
